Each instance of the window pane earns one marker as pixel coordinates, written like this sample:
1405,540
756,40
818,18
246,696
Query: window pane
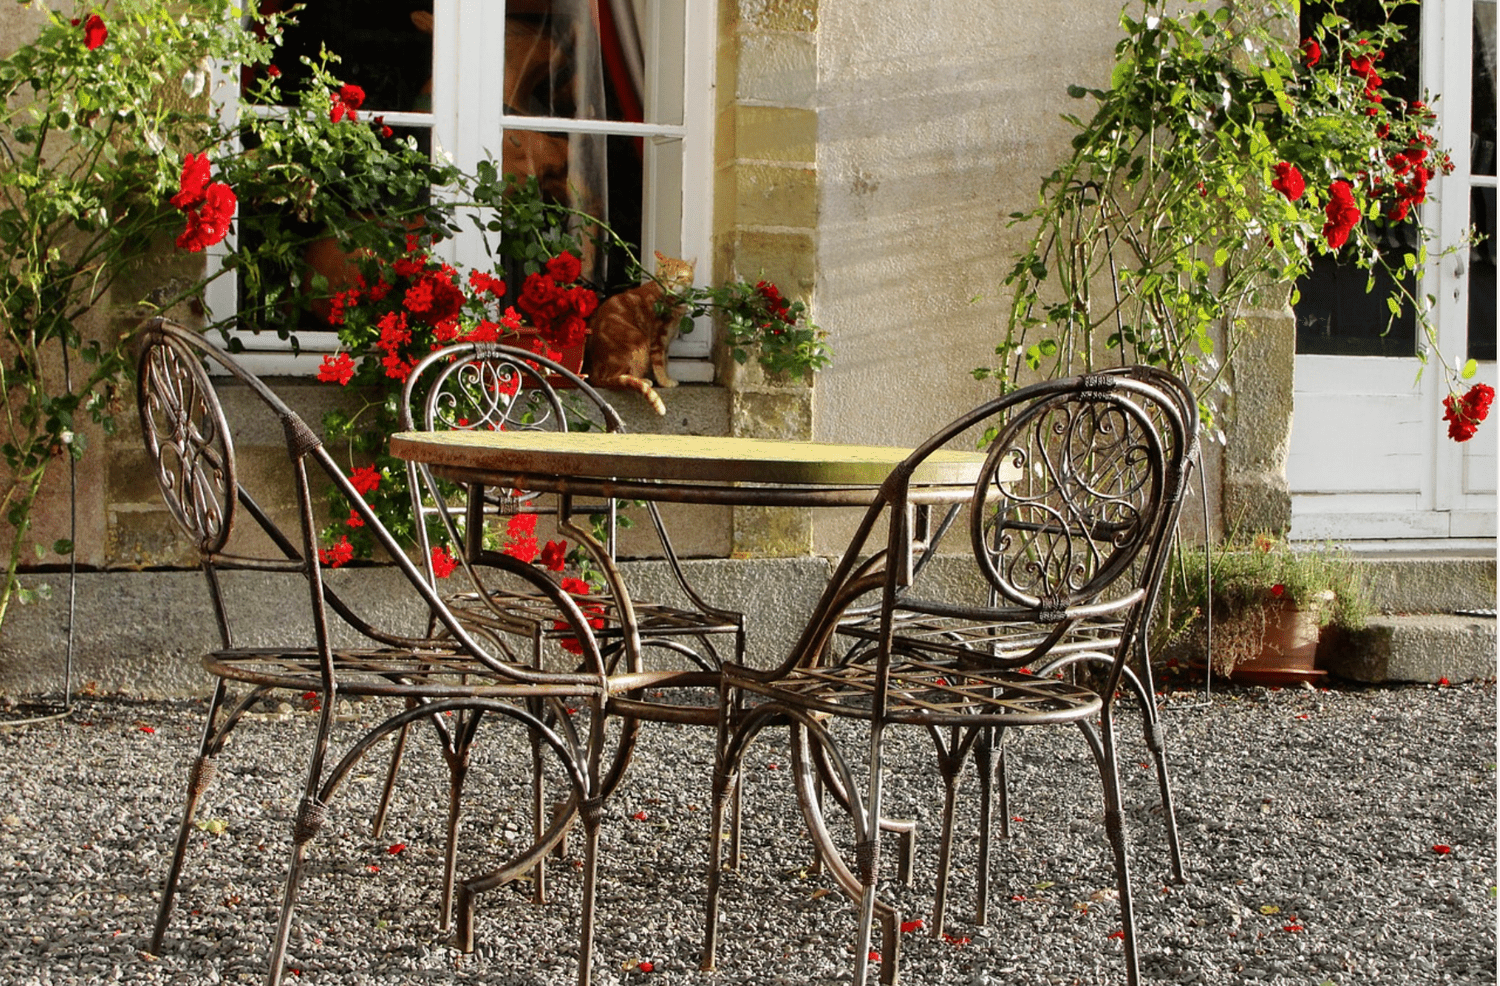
577,60
1483,107
1337,317
1482,275
385,47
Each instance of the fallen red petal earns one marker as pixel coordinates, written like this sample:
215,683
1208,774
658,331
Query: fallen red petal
1117,934
645,966
373,868
874,955
910,926
1441,849
148,729
640,816
397,849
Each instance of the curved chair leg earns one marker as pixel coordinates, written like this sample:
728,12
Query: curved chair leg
1145,691
1103,747
458,771
950,760
200,775
310,817
989,761
377,825
1155,737
215,731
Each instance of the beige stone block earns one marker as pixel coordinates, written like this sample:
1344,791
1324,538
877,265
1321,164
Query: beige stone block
788,259
779,15
776,196
777,69
772,133
783,413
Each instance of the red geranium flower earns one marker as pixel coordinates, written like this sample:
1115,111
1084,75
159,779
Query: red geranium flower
1289,181
94,32
521,538
337,369
555,555
1343,214
365,479
443,562
337,554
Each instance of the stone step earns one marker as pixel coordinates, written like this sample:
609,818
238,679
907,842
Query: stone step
1417,648
1434,581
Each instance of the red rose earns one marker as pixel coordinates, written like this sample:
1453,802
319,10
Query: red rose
583,301
273,72
1311,52
1289,181
564,268
539,297
352,96
193,183
1464,414
1343,215
210,223
94,32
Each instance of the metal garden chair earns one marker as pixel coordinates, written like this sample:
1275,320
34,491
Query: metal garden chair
1065,527
478,386
335,650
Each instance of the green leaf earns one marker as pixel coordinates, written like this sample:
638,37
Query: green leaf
1124,69
1470,368
63,546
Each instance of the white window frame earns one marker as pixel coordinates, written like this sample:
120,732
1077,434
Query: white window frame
467,104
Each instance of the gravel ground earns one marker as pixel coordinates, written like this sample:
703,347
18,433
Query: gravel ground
1315,825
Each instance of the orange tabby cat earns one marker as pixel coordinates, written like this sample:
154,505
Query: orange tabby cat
630,332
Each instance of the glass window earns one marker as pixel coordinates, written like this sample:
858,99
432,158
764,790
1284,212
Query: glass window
595,98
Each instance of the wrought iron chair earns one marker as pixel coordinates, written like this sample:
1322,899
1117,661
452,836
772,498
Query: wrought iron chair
445,669
478,386
1065,528
1177,417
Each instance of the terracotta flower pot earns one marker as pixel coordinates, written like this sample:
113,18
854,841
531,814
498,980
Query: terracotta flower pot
527,337
1288,646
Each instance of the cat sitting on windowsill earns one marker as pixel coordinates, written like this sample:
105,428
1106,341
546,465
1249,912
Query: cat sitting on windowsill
629,333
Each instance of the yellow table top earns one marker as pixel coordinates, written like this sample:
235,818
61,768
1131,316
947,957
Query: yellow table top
678,458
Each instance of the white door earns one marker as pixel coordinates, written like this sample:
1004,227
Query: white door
1369,455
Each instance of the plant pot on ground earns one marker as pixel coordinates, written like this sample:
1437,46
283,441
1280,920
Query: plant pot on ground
1270,604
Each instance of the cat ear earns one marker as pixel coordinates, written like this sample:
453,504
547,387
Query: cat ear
660,257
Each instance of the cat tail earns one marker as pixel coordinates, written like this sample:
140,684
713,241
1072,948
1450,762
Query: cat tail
637,383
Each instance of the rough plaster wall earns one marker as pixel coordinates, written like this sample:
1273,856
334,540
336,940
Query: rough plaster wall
935,122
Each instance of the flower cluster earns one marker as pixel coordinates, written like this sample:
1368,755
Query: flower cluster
758,319
521,544
1246,157
345,101
209,207
1404,162
407,307
1464,414
557,306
